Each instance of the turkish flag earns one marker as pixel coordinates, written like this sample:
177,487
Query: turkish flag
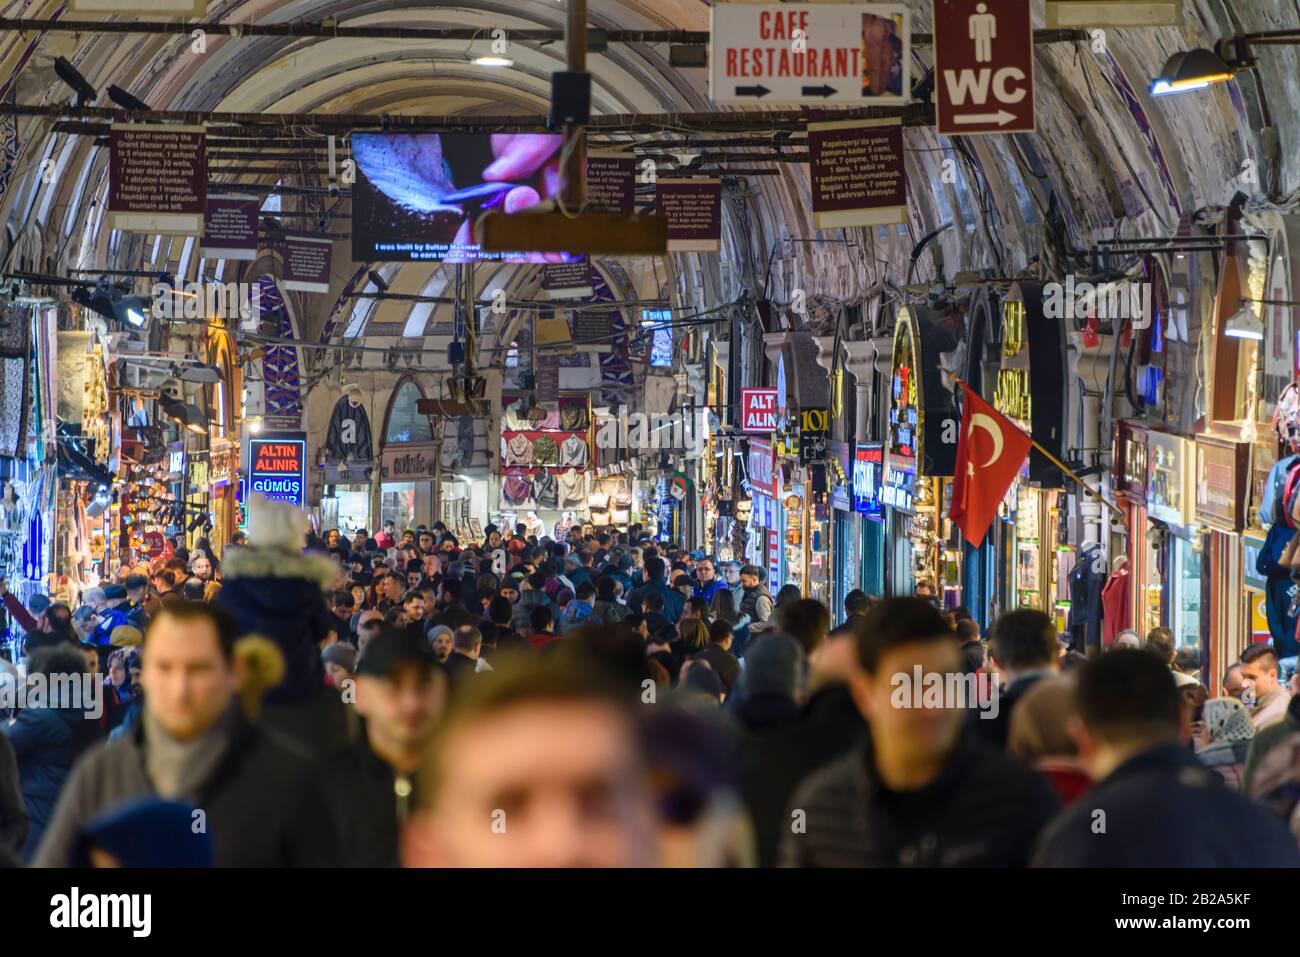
990,452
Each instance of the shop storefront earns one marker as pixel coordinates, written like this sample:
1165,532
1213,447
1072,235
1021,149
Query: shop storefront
1172,585
347,461
1222,472
408,462
764,546
548,463
1034,557
920,454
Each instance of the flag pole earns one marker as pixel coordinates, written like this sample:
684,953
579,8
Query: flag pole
1062,466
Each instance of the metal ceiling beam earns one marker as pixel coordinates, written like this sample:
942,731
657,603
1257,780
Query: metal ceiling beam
267,124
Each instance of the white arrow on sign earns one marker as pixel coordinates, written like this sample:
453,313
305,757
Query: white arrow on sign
1001,118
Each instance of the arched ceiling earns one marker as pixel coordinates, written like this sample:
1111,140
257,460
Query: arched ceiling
1105,155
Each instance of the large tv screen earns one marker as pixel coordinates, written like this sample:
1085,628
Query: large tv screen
417,194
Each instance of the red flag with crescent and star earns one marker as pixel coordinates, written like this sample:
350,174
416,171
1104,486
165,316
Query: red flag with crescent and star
990,452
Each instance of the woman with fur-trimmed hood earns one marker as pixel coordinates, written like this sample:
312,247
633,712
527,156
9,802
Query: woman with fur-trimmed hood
275,590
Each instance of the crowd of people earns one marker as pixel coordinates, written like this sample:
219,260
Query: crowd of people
609,700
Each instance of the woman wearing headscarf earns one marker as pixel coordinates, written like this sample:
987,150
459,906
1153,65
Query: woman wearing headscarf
1226,732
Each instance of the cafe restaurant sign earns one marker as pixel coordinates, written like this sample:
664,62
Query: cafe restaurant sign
409,462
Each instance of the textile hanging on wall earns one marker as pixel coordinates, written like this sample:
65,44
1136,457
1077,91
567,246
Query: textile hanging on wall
14,394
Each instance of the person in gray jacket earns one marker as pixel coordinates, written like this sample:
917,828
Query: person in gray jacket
259,796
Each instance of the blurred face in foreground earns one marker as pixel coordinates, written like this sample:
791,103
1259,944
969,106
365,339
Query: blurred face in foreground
187,681
915,733
539,784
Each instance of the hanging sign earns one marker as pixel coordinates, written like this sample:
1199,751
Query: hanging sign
762,467
776,53
693,209
857,170
1170,491
306,263
567,280
158,178
1222,467
278,468
983,67
230,227
868,462
611,183
758,410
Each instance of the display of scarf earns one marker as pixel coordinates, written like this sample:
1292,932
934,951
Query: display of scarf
573,416
517,489
545,451
572,489
545,489
573,452
515,416
519,451
14,404
13,331
546,418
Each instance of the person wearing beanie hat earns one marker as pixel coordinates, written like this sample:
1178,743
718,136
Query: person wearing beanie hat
147,832
699,680
401,690
340,660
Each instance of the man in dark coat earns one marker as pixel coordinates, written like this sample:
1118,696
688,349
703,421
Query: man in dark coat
1149,788
656,584
452,611
1025,649
13,809
261,798
921,791
400,692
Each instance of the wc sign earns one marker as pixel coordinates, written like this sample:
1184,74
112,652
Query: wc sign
984,67
758,411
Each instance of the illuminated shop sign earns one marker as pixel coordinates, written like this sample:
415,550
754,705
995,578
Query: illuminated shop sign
900,480
277,467
868,463
758,410
923,423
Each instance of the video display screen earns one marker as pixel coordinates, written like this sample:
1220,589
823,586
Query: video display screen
417,195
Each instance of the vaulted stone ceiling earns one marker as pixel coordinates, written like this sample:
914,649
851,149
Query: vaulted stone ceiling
1112,157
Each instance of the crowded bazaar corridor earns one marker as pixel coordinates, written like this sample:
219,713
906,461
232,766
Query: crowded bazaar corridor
648,433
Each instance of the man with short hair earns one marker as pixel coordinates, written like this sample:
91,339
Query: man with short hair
1148,786
466,644
656,584
756,601
262,801
806,621
1259,671
1234,685
922,790
1024,649
451,608
708,581
856,604
719,657
1161,643
401,690
542,624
